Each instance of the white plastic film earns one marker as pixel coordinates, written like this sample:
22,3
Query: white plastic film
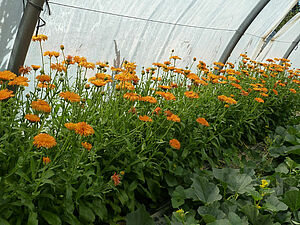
264,24
143,31
10,15
281,42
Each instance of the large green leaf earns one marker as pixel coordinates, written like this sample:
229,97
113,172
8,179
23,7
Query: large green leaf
273,204
235,181
211,213
178,197
292,199
50,217
3,221
86,213
139,217
32,219
255,217
205,191
220,222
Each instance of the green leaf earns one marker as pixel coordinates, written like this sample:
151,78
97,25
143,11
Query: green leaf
100,209
3,221
205,191
292,199
281,168
50,217
236,181
273,204
86,213
178,197
220,222
234,219
171,180
254,217
32,219
139,217
211,212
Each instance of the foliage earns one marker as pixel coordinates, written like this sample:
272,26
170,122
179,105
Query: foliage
91,151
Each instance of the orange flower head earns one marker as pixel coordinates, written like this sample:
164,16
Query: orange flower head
174,143
43,78
70,96
173,118
116,179
19,81
259,100
32,118
157,110
35,67
44,140
275,92
191,94
83,128
293,90
41,105
24,70
70,126
202,121
46,160
7,75
86,145
5,93
145,118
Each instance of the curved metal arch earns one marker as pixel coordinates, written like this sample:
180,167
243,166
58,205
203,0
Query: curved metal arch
241,30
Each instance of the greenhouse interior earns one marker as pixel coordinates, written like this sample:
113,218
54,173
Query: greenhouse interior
139,112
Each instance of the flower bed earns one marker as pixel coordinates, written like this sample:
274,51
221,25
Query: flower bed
76,150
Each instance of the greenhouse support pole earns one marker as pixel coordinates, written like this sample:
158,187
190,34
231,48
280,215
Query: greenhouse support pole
24,34
291,48
241,30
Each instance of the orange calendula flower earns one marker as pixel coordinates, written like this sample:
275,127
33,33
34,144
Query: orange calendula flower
70,96
46,85
166,95
145,118
46,160
83,128
41,105
5,93
293,91
202,121
174,143
70,126
43,78
131,96
275,92
259,100
157,110
175,57
35,67
116,178
44,140
86,145
19,81
173,118
24,70
32,118
7,75
191,94
149,99
39,37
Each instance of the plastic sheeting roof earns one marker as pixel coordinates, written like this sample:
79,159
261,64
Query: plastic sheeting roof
264,24
10,16
138,35
281,42
146,31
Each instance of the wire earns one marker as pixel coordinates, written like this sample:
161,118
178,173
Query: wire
157,21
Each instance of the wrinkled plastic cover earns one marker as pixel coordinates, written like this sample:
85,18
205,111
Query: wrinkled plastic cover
10,16
264,24
98,36
280,43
